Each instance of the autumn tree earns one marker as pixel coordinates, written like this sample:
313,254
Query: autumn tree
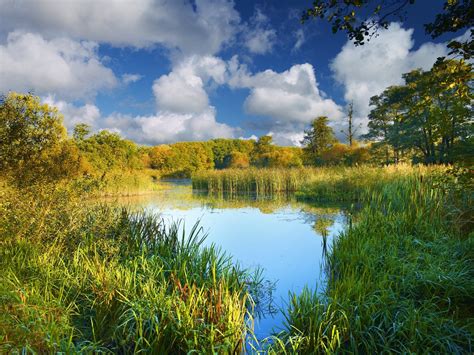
33,141
238,160
263,147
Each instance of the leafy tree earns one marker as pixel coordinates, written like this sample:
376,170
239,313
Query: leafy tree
222,150
284,157
263,147
431,113
81,131
238,160
32,140
318,138
106,151
159,157
361,19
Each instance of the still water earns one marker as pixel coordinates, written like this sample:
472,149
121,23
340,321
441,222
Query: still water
286,238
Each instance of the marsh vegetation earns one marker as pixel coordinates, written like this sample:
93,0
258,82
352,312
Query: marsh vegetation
81,274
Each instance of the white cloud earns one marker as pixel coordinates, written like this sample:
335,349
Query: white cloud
183,109
291,99
300,39
68,68
367,70
259,36
288,138
183,90
73,115
202,27
131,78
168,127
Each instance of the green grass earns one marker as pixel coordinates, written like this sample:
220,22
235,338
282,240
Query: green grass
400,280
99,279
92,278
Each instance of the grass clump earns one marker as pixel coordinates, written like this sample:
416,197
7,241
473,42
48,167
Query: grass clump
400,280
100,279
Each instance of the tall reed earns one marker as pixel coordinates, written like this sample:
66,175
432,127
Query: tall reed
401,279
259,181
99,279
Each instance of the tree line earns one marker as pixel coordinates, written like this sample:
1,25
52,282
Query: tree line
428,119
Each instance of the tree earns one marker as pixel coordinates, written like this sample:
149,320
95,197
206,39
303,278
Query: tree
361,19
431,114
81,131
31,137
318,138
263,147
238,160
351,130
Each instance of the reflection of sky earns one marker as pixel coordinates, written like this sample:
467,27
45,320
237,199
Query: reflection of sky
283,242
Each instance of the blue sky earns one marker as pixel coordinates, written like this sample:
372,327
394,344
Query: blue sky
159,71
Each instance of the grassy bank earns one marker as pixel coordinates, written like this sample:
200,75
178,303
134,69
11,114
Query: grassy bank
401,279
98,279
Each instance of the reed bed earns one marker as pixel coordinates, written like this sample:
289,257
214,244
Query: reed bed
400,280
100,279
311,184
252,180
126,183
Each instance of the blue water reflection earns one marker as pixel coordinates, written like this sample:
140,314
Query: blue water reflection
283,237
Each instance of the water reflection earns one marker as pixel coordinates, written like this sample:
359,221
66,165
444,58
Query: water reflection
286,238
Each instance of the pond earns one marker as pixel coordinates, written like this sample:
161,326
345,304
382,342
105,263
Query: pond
285,238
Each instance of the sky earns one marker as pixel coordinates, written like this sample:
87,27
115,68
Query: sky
161,71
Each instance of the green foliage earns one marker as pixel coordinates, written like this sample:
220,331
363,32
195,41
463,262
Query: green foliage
33,145
430,114
222,150
400,279
106,151
81,131
318,138
93,279
182,159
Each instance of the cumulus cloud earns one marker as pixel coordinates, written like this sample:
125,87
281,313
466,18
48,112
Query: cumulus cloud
183,109
130,78
169,127
259,36
290,99
71,69
73,115
286,102
365,71
183,90
201,27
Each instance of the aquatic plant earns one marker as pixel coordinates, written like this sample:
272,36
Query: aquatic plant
400,279
260,181
100,279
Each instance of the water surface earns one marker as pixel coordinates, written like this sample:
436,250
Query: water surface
286,238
